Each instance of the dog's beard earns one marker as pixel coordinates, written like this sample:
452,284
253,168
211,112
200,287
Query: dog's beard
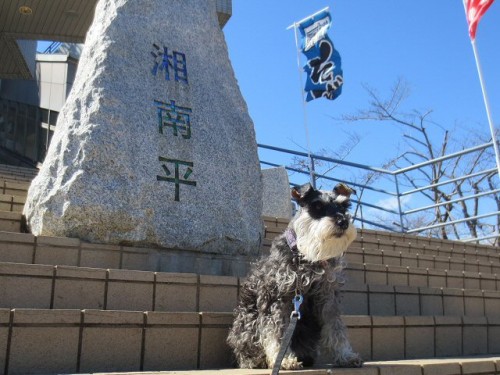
320,239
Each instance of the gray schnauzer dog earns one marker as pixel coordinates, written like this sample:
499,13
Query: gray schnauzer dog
307,259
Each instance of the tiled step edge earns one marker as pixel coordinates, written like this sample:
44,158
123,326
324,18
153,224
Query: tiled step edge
359,274
396,337
10,221
485,264
26,248
385,237
396,242
467,252
388,300
66,287
14,188
448,366
13,169
73,341
11,203
377,239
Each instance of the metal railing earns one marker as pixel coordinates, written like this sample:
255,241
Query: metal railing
53,47
392,200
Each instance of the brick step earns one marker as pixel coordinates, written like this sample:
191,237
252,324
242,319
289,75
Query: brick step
409,254
12,203
369,235
16,179
19,178
64,287
10,221
434,258
360,274
412,337
73,341
368,240
19,189
447,366
485,263
460,250
26,248
480,263
15,170
385,300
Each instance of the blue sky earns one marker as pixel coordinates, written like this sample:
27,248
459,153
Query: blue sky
424,42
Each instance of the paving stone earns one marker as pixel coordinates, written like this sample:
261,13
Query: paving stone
441,369
355,299
431,300
57,251
376,274
138,286
211,290
475,335
214,352
382,300
407,301
111,340
79,288
360,334
49,343
16,247
388,337
419,337
176,292
449,336
10,221
25,285
478,367
474,303
453,302
171,341
100,256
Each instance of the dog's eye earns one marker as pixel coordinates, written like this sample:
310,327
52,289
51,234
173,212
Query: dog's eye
318,208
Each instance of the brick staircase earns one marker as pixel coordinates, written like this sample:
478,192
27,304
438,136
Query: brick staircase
412,305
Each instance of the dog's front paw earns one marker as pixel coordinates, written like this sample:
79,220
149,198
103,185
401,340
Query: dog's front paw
352,360
290,362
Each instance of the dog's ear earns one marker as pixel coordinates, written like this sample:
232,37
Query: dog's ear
302,193
343,189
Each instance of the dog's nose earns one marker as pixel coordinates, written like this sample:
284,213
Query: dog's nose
342,221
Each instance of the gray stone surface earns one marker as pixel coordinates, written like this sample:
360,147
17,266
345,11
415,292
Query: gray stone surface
276,193
105,175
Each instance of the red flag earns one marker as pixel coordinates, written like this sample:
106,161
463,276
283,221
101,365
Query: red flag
474,11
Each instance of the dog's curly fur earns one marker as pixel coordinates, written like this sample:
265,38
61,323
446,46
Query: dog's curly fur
266,297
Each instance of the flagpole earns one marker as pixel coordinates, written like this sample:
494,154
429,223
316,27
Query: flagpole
304,106
487,106
486,100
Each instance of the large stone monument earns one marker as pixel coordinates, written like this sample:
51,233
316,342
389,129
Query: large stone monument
276,195
154,145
